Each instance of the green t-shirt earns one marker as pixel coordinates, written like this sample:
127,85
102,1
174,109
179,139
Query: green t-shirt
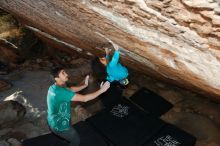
59,108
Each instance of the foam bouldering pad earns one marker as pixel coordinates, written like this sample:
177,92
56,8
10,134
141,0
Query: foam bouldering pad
151,102
171,135
88,137
123,124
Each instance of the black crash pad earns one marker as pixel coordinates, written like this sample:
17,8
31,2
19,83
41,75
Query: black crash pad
172,136
87,135
151,102
123,124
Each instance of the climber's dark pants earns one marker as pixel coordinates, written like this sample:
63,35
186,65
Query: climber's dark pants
70,135
112,94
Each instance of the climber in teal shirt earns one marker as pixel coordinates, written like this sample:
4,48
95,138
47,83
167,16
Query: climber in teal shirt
115,70
59,100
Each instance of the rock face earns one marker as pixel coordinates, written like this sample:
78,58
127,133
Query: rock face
4,85
174,40
11,111
16,42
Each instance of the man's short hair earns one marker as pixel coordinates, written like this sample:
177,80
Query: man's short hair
55,71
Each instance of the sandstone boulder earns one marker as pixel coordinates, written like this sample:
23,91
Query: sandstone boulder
11,112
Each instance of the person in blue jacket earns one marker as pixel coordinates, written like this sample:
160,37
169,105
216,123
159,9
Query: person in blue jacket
116,72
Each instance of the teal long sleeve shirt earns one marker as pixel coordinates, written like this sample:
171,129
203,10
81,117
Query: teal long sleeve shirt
115,70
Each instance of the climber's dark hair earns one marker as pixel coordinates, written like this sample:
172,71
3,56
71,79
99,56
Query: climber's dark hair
105,45
98,70
55,71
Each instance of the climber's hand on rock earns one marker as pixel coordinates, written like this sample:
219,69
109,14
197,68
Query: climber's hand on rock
115,47
107,51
